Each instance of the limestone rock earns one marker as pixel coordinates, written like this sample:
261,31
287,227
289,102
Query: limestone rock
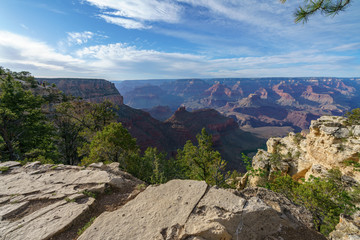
185,209
41,201
347,229
330,144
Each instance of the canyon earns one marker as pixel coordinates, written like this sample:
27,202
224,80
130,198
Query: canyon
251,102
172,134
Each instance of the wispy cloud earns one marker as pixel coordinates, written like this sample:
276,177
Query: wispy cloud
24,26
347,47
135,13
79,37
124,22
54,10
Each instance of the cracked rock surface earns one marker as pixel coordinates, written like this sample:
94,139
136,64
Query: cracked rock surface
41,201
186,209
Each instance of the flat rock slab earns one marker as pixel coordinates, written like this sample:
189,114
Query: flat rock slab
38,202
150,213
45,223
10,164
184,209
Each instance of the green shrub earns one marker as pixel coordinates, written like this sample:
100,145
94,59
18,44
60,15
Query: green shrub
89,194
4,169
353,117
86,226
326,198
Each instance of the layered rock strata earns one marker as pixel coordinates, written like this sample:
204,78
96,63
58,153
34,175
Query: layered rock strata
331,143
92,90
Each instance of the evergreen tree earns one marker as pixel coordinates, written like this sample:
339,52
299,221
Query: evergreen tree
24,130
77,122
353,117
159,168
201,162
325,7
114,144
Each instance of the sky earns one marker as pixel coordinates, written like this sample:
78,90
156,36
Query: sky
171,39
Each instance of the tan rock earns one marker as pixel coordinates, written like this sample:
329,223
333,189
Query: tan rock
41,201
152,213
329,144
347,229
184,209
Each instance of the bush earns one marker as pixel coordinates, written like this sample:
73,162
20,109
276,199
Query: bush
326,198
353,117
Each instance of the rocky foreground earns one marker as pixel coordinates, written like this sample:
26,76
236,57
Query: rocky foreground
55,201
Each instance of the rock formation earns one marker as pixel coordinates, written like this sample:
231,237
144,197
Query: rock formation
331,143
54,201
160,113
184,209
317,97
347,229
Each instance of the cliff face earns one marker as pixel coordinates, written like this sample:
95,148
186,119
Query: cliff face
92,90
331,143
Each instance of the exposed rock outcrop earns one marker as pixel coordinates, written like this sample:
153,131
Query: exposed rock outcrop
331,143
184,209
47,201
310,95
347,229
285,98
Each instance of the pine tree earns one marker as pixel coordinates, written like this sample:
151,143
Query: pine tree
201,162
24,130
325,7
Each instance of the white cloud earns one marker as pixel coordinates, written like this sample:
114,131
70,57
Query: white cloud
124,22
347,47
122,61
134,13
79,37
17,49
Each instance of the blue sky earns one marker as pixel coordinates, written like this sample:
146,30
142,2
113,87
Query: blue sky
144,39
